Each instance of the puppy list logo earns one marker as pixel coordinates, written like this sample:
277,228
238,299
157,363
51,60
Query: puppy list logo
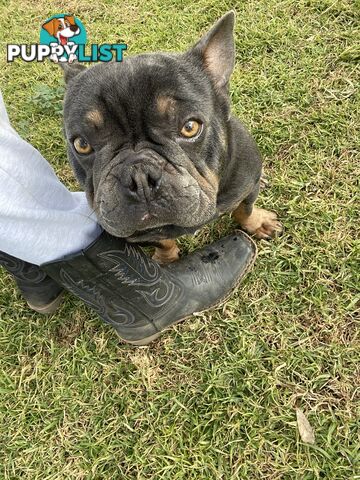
63,39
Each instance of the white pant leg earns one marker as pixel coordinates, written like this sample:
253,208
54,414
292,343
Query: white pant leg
40,219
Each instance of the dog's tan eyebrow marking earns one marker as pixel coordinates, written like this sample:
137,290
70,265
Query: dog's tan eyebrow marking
95,117
165,104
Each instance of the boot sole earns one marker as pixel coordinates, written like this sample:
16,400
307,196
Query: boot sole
145,341
49,307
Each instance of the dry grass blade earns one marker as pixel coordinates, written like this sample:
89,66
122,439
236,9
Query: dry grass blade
305,429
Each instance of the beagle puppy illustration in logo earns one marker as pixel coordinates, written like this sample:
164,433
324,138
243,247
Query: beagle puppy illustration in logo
62,29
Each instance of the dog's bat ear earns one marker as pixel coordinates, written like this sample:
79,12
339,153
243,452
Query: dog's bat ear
50,26
71,70
217,50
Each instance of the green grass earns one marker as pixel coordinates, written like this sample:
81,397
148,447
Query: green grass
215,398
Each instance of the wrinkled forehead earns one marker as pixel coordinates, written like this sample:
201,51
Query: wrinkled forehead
158,83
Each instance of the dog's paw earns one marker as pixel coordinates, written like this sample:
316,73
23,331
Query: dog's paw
262,224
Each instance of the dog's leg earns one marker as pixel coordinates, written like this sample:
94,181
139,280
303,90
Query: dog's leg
166,251
257,221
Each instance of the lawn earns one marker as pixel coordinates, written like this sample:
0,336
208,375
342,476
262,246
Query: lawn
215,398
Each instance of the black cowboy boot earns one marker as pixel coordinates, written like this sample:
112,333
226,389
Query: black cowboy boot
137,296
41,292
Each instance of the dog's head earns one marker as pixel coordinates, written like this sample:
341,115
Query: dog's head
147,137
62,28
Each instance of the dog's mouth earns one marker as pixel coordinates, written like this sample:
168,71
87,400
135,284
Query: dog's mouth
153,233
123,220
63,40
161,233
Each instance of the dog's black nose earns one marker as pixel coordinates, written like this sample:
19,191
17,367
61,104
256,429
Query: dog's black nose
74,28
143,181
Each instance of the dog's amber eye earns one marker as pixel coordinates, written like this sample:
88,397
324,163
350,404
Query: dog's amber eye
82,146
190,129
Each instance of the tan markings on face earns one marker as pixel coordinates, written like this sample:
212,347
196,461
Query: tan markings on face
95,117
165,104
209,183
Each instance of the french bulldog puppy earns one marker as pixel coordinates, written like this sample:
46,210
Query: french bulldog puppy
153,143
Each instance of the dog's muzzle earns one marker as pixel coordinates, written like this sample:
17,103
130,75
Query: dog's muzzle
142,190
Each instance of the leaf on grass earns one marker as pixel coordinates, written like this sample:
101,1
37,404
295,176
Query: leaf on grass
305,429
